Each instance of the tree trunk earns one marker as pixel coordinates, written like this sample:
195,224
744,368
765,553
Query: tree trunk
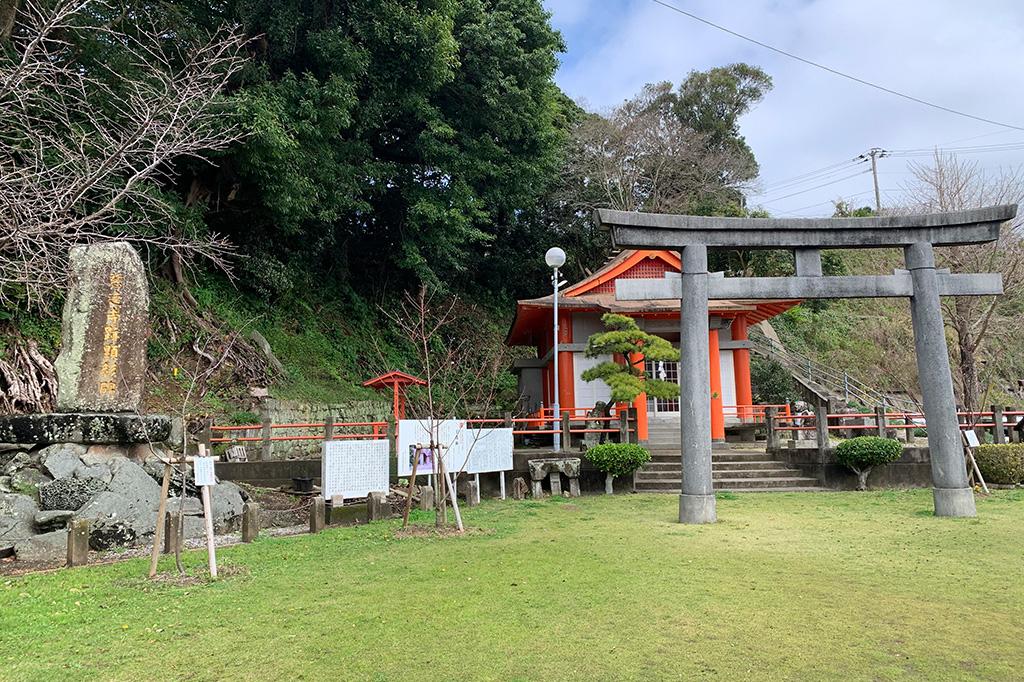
862,478
608,484
8,12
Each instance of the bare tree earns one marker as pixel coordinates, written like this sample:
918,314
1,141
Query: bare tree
462,365
84,149
948,183
642,157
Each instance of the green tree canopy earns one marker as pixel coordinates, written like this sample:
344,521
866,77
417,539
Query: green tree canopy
627,381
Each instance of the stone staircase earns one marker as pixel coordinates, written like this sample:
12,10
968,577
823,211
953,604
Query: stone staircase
735,467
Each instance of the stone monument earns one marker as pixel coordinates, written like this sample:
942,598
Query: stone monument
102,363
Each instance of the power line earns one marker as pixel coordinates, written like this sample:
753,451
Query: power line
811,189
811,176
834,71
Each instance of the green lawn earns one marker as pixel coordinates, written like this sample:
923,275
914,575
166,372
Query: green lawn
857,586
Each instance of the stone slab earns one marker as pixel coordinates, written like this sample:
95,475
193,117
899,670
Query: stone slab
85,428
102,363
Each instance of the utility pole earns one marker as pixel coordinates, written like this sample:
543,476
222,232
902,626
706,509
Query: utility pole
875,153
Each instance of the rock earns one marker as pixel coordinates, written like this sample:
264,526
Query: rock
19,461
102,454
17,513
47,547
142,452
52,520
190,506
226,503
9,450
102,362
117,520
69,493
100,471
5,485
62,460
47,429
132,482
29,477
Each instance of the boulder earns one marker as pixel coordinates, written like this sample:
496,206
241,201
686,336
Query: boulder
19,461
61,460
100,471
132,482
29,477
226,503
117,520
102,454
190,506
69,493
17,513
5,485
52,520
48,547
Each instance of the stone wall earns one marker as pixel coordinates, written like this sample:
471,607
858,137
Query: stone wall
911,470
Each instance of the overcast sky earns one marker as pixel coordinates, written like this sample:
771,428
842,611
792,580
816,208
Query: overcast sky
964,55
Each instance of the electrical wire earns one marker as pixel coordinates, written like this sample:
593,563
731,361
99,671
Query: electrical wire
836,72
811,189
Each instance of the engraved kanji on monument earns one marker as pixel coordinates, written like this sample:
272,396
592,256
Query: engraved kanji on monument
102,363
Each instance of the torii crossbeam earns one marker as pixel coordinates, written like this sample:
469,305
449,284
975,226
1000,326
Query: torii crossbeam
917,235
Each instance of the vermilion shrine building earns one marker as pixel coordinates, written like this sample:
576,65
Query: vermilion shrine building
581,306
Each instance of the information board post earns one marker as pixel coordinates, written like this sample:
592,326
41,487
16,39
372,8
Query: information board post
204,476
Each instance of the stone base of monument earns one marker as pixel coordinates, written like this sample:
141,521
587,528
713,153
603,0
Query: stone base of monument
89,428
43,490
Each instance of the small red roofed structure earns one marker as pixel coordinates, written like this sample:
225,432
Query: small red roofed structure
397,381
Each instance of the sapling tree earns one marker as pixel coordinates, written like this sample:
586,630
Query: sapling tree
629,379
864,453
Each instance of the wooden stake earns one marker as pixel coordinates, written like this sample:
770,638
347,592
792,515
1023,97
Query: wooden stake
211,550
160,520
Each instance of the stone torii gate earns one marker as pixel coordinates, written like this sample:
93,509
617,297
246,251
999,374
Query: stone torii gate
917,235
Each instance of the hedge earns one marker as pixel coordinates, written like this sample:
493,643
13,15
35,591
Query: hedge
1001,463
618,459
863,453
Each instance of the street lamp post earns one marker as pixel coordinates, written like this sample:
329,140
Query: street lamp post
555,258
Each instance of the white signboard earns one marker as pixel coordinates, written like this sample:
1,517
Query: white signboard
413,432
202,469
972,438
488,450
354,468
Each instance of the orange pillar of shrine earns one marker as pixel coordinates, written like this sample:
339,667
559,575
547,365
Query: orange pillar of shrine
717,414
566,374
741,369
640,403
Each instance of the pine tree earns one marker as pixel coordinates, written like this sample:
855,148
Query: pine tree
628,380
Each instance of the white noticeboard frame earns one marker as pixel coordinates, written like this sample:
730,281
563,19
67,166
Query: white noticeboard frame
203,471
489,450
354,468
413,432
972,438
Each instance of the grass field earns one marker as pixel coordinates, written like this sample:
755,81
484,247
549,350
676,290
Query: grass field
857,586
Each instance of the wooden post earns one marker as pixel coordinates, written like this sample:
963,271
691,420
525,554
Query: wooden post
634,419
329,427
508,420
211,548
207,434
250,521
501,483
880,420
1012,426
267,445
623,426
78,542
770,415
998,427
316,515
165,486
426,497
566,431
172,538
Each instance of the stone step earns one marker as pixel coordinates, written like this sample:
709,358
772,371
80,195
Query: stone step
723,456
676,465
674,484
718,475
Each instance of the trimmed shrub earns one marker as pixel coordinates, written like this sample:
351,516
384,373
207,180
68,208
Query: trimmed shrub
864,453
1001,463
617,459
